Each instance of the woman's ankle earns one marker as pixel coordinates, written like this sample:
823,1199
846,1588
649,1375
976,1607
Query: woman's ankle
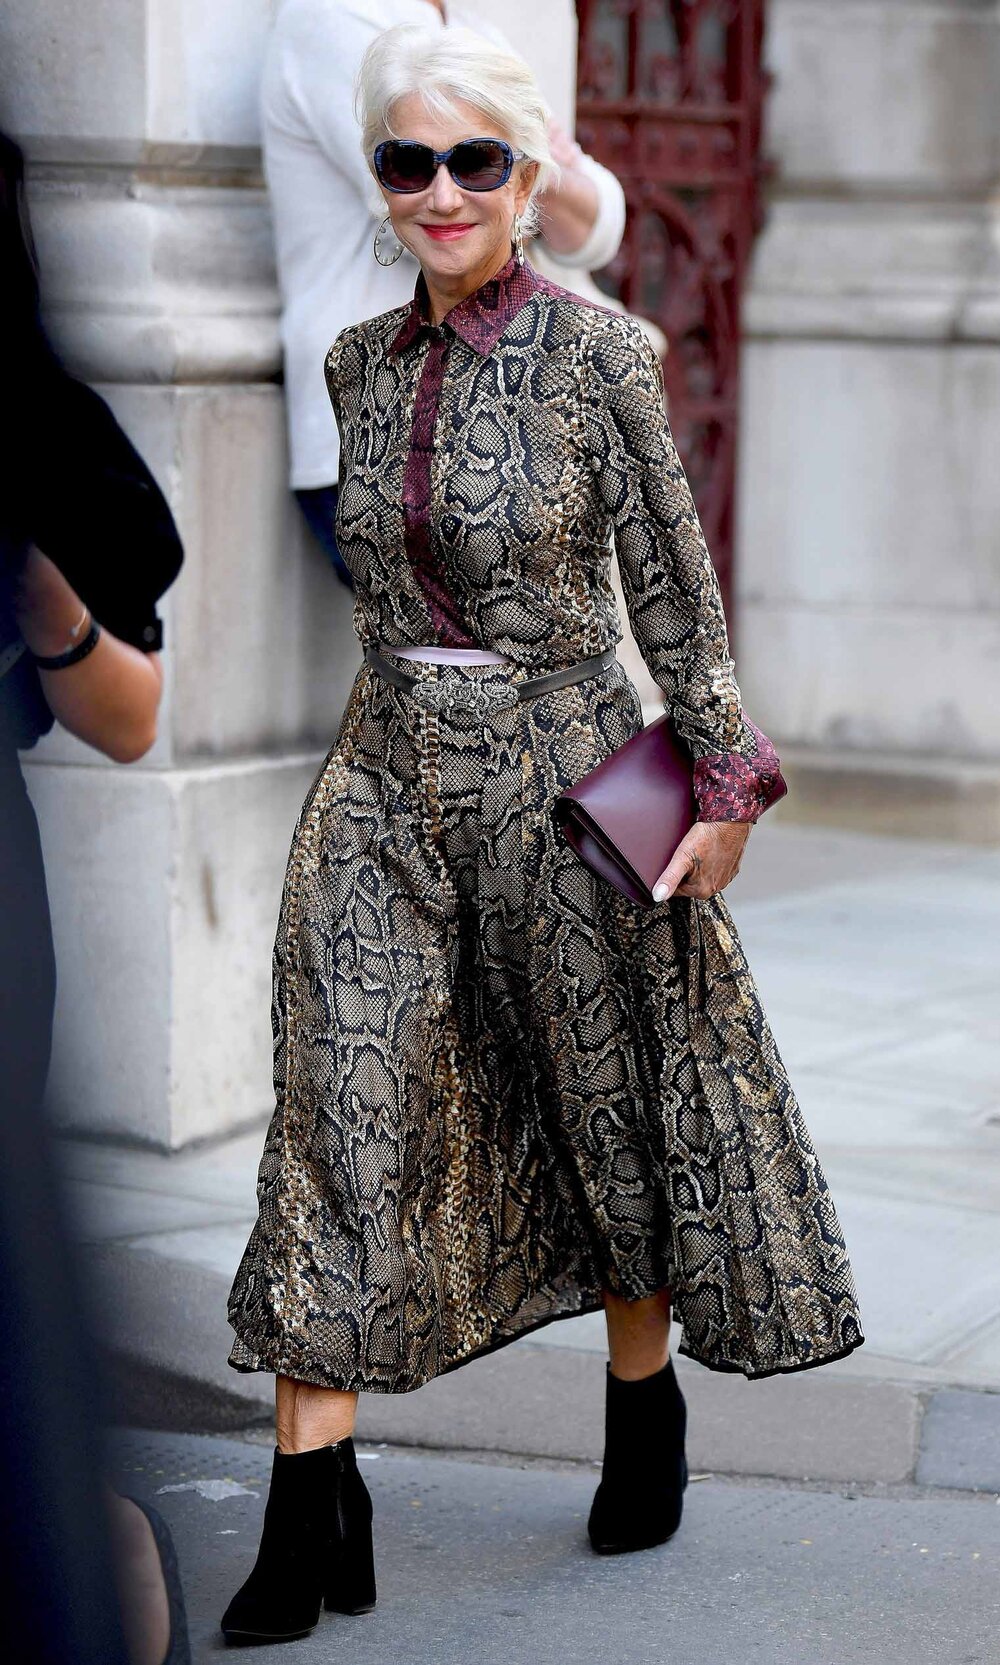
308,1417
638,1370
303,1446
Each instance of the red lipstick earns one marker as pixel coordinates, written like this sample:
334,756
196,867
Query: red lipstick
445,233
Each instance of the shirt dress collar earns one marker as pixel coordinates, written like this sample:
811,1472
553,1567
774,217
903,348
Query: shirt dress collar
481,318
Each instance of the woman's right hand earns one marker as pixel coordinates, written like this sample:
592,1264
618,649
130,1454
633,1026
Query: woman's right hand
705,861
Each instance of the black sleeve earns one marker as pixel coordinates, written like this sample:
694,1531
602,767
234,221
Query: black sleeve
94,509
71,481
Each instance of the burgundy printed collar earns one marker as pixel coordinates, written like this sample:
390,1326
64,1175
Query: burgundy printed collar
481,318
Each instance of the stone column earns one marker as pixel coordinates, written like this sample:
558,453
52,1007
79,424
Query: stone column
869,560
138,118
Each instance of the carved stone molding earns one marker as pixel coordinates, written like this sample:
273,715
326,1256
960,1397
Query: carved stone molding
158,283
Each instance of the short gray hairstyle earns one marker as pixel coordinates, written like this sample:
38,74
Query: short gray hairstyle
445,65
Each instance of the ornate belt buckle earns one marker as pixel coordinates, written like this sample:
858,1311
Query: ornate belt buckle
479,697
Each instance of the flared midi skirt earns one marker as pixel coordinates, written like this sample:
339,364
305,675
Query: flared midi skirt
501,1086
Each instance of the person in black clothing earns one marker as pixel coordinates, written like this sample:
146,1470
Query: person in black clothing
87,545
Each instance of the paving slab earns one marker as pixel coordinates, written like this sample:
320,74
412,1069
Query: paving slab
960,1442
905,1254
844,1103
783,859
959,1176
221,1171
978,1358
549,1402
112,1211
169,1318
957,1065
526,1398
543,1399
490,1562
215,1248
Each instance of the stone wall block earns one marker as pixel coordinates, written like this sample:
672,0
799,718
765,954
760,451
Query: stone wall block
234,829
919,683
868,477
109,843
898,92
165,890
265,648
151,283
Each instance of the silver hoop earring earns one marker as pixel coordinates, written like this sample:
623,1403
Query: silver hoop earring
518,240
377,242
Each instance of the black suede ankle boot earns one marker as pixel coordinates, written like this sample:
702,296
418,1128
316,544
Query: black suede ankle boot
641,1495
315,1548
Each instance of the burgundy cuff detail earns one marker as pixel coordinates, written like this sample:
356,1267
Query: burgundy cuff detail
728,787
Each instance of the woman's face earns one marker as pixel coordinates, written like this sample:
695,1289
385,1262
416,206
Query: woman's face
454,232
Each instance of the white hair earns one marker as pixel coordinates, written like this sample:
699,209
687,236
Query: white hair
449,65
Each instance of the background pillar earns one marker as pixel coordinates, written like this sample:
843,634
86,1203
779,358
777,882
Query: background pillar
869,557
140,127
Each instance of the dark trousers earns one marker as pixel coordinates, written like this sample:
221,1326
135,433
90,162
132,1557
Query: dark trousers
58,1603
319,505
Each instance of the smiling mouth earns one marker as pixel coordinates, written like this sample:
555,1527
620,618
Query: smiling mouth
448,230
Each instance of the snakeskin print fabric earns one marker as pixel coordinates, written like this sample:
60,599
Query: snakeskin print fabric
500,1085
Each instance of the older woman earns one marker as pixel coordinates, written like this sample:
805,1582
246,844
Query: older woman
505,1093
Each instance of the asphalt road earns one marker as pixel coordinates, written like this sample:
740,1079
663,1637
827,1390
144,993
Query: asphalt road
484,1562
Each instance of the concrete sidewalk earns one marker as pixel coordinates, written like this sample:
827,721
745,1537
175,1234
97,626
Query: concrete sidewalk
879,963
489,1561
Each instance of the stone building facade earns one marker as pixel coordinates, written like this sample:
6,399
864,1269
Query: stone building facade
868,621
869,552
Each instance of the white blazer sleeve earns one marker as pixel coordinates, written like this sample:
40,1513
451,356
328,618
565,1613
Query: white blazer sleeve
608,229
308,88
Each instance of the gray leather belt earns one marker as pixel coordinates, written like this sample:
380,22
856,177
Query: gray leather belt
492,693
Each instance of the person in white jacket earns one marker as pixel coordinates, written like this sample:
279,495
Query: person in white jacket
325,213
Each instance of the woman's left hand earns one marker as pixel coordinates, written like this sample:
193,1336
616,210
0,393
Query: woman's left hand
705,861
565,149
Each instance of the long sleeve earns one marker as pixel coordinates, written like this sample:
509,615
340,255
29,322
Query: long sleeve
605,235
307,89
332,369
670,586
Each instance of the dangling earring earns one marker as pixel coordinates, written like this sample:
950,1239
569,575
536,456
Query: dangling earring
375,245
518,240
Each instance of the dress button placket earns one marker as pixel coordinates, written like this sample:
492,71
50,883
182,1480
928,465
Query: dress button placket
445,614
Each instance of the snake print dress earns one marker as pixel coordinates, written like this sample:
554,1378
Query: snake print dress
501,1086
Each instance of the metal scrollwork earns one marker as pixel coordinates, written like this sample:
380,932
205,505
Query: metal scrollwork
478,697
670,96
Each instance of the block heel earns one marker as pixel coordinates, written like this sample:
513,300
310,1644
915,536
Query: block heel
315,1549
351,1583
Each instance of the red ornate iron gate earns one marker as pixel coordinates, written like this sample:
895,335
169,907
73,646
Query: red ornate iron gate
670,96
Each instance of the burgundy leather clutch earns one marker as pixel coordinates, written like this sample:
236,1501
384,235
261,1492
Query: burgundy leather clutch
626,817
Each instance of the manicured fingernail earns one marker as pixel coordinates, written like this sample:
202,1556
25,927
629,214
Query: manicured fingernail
660,893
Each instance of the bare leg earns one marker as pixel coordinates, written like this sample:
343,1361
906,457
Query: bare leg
638,1334
307,1416
142,1593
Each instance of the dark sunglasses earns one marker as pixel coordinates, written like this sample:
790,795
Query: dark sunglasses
474,164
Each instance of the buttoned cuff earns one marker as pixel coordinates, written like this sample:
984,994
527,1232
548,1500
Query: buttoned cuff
730,787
